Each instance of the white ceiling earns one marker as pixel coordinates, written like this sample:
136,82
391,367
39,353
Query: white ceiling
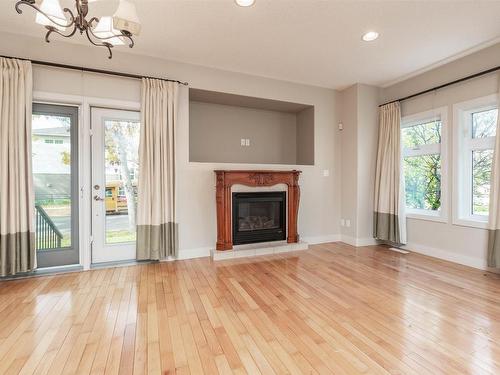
317,42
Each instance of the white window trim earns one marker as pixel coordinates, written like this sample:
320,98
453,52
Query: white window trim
461,172
440,113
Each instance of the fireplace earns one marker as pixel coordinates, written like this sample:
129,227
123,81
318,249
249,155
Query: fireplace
223,196
259,217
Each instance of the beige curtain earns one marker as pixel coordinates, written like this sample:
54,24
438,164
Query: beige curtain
156,226
494,217
389,222
17,232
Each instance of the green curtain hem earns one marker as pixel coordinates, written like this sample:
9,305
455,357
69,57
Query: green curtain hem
386,227
493,259
17,253
155,242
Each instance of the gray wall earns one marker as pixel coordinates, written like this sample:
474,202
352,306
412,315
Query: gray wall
359,109
216,131
367,149
349,147
305,137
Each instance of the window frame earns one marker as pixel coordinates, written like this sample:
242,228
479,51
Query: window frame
441,114
463,145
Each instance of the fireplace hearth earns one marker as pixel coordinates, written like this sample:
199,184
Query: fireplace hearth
258,217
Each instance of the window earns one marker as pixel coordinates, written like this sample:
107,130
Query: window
58,141
423,139
475,141
49,141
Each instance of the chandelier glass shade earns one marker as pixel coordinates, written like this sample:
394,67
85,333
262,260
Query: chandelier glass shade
105,32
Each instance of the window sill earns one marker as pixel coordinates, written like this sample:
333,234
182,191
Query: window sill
480,224
428,216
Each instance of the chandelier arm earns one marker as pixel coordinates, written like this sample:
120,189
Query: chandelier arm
91,21
52,29
31,4
90,34
127,35
71,15
123,34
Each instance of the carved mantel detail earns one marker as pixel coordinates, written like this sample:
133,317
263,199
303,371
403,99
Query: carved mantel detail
226,179
261,179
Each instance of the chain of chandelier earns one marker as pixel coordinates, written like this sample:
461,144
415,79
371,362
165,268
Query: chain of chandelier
106,31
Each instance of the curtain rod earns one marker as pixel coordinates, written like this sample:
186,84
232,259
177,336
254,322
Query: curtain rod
475,75
92,70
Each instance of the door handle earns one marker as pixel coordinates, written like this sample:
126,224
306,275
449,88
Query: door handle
98,198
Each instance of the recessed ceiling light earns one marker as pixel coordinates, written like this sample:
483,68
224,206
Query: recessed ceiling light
370,36
245,3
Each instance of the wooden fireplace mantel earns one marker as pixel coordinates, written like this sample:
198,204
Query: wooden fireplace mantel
227,178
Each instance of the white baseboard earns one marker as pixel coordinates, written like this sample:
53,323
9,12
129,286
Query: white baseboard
358,241
194,253
446,255
312,240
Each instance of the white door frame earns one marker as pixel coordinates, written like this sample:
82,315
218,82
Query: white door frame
103,252
84,103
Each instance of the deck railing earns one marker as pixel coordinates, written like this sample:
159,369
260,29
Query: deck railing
47,234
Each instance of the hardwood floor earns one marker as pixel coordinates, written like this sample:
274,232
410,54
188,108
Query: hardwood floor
334,309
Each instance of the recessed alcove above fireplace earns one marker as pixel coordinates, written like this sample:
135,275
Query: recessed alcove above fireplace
229,128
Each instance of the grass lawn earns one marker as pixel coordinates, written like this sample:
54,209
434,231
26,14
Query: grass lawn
118,236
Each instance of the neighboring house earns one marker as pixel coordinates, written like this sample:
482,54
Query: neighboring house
51,163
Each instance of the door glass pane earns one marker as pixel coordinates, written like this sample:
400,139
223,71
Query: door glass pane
122,166
423,181
51,150
481,173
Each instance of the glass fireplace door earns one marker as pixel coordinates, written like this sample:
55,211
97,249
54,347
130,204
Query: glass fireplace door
259,217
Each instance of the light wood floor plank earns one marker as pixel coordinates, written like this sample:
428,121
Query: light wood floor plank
333,309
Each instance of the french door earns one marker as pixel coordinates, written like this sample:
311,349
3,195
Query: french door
55,179
115,167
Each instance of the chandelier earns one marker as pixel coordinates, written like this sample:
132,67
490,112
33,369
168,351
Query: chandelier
105,32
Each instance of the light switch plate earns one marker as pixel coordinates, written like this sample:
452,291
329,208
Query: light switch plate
243,141
348,223
326,172
247,141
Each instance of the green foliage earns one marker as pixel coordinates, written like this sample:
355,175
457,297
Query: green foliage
423,181
66,158
422,173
